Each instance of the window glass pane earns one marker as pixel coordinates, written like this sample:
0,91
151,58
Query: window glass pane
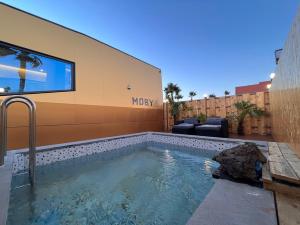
23,71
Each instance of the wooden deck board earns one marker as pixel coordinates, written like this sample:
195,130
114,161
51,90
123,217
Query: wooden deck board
274,149
274,185
283,171
276,158
291,157
283,163
284,148
296,167
288,209
266,176
282,188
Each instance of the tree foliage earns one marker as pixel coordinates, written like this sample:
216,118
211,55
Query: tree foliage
173,95
24,58
192,94
245,108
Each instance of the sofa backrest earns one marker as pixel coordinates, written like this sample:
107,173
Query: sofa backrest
215,121
191,120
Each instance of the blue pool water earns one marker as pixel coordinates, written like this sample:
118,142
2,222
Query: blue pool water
143,186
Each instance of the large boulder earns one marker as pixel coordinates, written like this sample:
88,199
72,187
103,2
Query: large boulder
240,163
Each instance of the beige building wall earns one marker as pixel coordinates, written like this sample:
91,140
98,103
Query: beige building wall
102,104
285,91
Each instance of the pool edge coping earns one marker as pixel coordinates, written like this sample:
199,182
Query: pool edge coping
103,139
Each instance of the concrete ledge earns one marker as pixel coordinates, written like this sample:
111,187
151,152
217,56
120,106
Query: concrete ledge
230,203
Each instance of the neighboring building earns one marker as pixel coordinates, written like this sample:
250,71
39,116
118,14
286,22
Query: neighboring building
83,88
251,89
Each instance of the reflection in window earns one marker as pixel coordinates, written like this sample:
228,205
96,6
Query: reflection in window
25,71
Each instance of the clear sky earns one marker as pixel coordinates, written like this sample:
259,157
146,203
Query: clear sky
204,45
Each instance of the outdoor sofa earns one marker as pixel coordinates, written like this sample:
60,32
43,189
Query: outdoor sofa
213,127
186,126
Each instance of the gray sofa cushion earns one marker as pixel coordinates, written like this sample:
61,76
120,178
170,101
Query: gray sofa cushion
184,126
209,127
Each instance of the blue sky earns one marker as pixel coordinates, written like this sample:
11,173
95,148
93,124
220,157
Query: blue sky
206,46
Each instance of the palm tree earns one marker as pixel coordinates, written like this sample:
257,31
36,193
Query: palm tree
245,108
172,92
178,97
24,58
212,95
192,94
226,93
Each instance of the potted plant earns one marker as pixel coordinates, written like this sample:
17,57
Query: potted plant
202,118
245,108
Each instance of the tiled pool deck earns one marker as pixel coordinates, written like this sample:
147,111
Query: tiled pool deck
236,196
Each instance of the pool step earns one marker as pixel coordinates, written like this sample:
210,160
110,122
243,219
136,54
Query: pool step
22,180
22,186
21,174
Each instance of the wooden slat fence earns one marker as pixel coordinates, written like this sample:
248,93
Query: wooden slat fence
224,107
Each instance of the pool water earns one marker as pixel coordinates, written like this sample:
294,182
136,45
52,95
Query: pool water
143,186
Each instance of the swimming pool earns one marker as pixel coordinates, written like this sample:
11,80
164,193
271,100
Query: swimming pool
146,178
138,185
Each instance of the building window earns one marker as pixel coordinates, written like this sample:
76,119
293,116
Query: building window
23,71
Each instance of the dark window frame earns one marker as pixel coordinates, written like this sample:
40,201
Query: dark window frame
73,81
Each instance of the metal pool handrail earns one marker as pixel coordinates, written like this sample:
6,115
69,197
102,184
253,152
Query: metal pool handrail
32,130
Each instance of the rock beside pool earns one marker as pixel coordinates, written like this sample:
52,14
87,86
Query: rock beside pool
241,163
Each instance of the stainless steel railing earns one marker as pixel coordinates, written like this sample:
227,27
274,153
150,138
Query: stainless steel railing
32,130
